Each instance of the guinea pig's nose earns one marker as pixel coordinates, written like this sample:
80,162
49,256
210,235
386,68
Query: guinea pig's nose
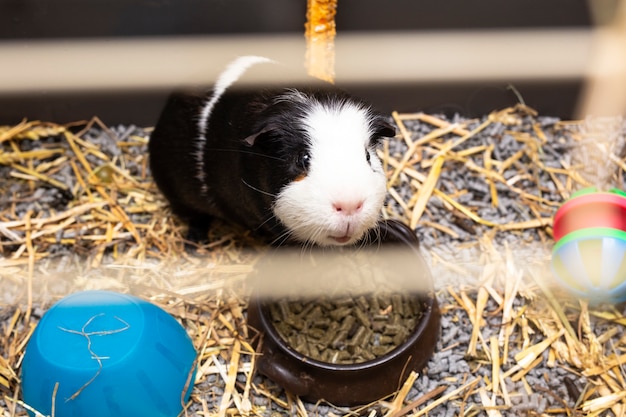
348,207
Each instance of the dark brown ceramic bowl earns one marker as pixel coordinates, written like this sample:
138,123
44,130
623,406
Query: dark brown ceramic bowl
358,383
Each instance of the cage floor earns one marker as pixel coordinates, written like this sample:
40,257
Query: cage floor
78,210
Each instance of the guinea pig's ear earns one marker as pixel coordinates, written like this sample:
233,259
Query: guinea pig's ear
251,140
383,128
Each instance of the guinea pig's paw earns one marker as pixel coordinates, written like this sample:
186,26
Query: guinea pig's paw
197,233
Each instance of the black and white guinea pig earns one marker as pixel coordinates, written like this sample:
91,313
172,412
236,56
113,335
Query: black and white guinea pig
288,164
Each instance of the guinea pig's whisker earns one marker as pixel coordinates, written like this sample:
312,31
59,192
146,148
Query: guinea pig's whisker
379,239
257,189
370,238
269,218
247,152
363,243
319,233
311,241
281,239
307,247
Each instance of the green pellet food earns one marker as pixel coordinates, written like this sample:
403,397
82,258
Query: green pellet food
346,306
346,330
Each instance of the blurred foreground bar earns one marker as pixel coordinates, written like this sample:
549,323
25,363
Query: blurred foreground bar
70,59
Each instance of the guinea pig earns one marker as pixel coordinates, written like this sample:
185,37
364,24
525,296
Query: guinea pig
291,165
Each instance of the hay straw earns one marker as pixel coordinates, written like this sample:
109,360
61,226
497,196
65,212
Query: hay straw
421,400
447,397
424,193
401,394
433,120
435,134
439,144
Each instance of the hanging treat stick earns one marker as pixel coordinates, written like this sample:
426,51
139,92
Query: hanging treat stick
320,36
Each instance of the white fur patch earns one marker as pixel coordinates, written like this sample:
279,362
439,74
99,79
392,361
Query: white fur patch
231,74
339,174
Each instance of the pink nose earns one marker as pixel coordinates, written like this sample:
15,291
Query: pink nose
348,208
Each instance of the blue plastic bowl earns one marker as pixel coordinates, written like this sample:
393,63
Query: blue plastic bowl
108,354
591,264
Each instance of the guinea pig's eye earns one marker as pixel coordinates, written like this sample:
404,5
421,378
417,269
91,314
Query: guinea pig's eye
304,160
367,155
